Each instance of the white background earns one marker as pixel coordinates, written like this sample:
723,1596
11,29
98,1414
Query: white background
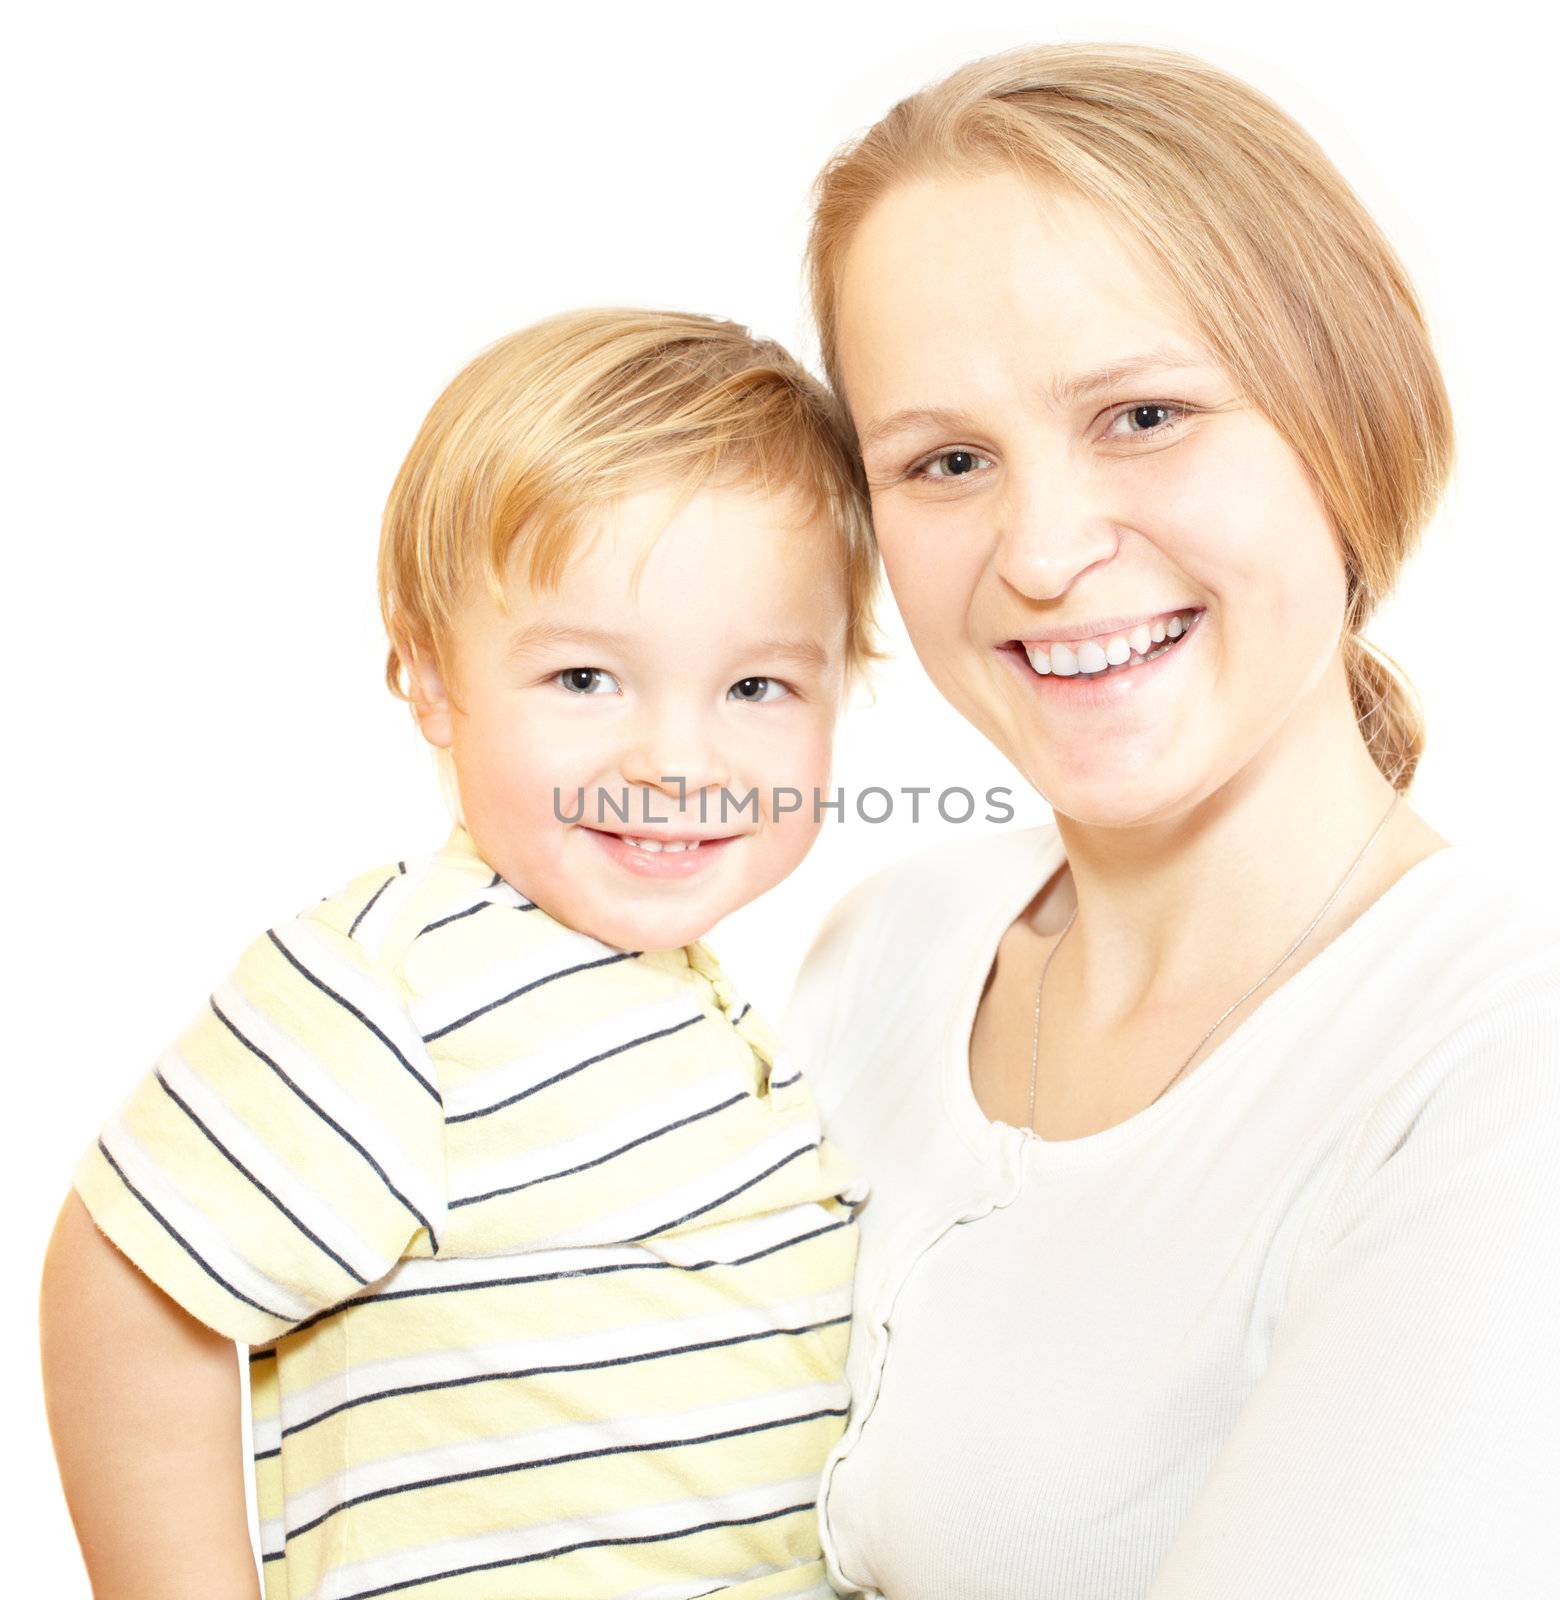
249,244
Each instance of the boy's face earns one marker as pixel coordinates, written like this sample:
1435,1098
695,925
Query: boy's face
721,670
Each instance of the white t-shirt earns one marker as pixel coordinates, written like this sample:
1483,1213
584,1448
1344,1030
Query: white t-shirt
1293,1330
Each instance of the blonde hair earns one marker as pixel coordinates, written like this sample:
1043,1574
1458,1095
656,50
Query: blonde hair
549,424
1284,274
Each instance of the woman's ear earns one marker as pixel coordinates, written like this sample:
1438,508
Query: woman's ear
429,697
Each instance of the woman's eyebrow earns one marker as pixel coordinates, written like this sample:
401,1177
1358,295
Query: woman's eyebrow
1063,391
897,422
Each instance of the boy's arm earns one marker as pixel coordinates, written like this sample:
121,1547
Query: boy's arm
143,1404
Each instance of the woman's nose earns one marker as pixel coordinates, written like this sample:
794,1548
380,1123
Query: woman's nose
1054,527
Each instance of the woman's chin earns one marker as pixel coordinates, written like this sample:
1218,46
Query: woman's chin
1116,800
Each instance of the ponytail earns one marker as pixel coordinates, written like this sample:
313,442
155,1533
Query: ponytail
1387,709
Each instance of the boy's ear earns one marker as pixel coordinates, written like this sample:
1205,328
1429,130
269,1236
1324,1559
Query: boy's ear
429,696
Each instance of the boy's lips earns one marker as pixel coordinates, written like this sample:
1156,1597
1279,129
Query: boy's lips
662,854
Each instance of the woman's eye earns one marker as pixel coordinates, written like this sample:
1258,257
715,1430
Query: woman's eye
757,689
587,680
1145,419
950,464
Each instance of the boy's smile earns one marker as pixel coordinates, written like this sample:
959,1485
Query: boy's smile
607,733
663,855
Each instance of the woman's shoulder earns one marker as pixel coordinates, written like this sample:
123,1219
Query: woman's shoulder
1452,992
1501,942
1457,1017
1483,919
1463,947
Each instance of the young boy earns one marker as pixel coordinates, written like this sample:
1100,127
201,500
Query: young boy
543,1262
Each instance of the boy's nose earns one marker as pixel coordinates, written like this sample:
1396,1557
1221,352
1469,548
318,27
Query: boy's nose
678,761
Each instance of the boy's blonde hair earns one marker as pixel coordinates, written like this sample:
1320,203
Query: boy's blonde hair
546,426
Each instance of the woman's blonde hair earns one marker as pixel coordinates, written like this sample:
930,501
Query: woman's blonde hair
547,426
1283,272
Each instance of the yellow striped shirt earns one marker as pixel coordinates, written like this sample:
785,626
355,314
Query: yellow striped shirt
545,1264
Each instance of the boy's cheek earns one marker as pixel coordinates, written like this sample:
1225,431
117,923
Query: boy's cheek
818,758
797,751
541,752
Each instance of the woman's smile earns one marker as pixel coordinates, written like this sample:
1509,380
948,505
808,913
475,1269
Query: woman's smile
1119,647
1085,679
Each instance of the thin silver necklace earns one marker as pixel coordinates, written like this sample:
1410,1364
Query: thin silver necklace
1034,1053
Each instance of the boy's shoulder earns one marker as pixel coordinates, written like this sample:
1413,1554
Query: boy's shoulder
387,910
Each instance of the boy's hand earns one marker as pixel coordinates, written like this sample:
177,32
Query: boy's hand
144,1406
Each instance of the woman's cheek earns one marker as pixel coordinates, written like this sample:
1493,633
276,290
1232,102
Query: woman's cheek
933,557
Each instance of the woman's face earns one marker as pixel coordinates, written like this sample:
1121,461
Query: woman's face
1107,560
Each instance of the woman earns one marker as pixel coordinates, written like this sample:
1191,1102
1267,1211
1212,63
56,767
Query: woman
1212,1249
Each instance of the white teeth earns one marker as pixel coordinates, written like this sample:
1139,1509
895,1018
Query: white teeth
652,845
1092,656
656,846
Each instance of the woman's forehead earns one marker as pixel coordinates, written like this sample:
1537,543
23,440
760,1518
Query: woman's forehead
963,282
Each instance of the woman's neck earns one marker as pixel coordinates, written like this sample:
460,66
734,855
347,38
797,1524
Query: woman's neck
1216,895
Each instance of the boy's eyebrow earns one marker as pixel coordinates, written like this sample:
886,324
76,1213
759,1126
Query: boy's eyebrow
807,651
535,635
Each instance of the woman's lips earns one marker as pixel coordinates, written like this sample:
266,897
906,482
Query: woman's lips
663,863
1122,643
1114,684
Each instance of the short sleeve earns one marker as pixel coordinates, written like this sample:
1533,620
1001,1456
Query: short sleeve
287,1149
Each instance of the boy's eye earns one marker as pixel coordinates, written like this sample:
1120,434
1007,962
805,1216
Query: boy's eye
756,689
587,680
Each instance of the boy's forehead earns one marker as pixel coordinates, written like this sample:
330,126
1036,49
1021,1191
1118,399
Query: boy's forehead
718,559
714,513
717,576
